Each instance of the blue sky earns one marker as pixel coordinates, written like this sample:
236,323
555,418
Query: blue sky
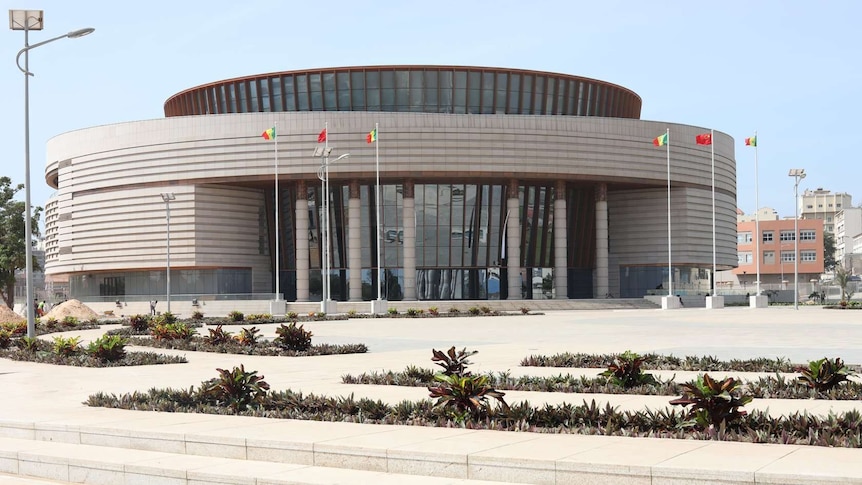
788,69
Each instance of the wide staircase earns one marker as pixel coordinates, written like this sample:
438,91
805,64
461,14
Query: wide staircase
130,447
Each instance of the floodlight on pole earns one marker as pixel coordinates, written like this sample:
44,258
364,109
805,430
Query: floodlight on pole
323,175
28,20
798,174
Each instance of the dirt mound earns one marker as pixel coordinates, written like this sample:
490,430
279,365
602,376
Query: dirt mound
8,316
71,308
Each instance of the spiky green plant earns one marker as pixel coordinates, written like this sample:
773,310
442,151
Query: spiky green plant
713,403
108,348
236,389
293,337
824,374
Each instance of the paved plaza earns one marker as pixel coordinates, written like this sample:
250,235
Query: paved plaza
47,434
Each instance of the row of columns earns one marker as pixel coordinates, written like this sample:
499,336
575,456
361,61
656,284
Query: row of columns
512,240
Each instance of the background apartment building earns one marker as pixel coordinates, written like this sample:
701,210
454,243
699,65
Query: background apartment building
848,228
824,205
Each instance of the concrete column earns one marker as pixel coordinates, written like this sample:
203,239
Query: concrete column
354,243
301,242
602,289
561,273
408,218
513,242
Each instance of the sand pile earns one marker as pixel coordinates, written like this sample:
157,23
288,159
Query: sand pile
8,316
71,308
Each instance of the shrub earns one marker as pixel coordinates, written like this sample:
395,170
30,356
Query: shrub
392,311
485,309
197,315
218,336
69,321
713,403
50,323
320,316
352,313
824,374
259,316
5,339
625,371
412,312
66,346
235,316
293,337
452,362
473,310
166,318
16,329
248,336
292,315
454,311
28,344
139,323
236,388
172,331
108,348
433,311
465,394
524,310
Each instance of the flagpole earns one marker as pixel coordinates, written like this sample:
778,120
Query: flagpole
669,263
380,272
758,237
277,262
714,264
326,206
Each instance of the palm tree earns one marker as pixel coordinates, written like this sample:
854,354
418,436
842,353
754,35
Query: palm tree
842,279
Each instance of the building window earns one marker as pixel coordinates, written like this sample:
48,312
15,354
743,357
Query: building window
838,204
807,235
829,219
787,236
819,206
744,257
809,206
808,256
788,256
743,237
769,257
830,205
767,236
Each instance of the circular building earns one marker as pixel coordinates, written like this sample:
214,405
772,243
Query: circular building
493,184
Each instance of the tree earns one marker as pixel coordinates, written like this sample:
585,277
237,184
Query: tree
842,279
828,251
13,252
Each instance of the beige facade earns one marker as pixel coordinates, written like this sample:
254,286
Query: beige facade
108,216
824,205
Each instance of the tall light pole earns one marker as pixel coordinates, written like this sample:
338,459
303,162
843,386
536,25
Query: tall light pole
798,174
168,197
28,20
326,304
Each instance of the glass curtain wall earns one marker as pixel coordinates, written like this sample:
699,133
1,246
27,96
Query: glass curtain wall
459,234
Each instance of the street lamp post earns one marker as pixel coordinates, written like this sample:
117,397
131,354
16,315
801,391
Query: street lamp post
168,197
28,20
798,174
326,303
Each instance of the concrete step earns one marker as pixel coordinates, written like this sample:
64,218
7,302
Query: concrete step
7,479
108,446
30,462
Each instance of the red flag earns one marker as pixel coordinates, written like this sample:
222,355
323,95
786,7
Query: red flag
704,139
322,136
